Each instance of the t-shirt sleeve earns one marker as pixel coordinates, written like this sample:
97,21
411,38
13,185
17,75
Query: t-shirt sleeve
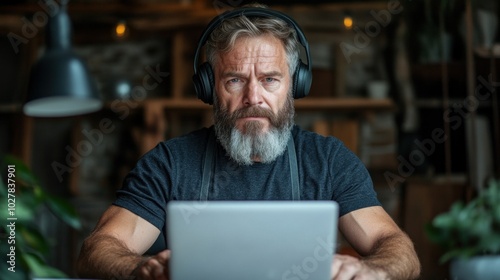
145,189
351,180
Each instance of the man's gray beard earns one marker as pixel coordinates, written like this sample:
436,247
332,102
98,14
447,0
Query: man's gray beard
244,146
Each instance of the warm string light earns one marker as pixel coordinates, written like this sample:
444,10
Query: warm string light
121,29
348,22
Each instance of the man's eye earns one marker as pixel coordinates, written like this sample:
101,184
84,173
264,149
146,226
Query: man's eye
270,80
234,80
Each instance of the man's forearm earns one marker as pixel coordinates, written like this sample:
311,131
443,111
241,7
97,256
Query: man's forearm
105,257
395,255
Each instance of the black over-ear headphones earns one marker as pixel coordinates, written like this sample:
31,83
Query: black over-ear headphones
203,77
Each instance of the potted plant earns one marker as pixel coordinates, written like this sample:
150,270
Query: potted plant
470,235
21,241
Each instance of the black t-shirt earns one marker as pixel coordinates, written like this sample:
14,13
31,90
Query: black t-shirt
173,171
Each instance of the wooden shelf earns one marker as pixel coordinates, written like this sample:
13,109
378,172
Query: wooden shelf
180,103
345,104
438,103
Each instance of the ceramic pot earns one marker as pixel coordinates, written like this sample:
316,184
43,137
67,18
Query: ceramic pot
482,267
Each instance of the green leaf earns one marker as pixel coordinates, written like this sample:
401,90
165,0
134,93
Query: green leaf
469,229
38,268
490,243
496,213
18,273
480,225
436,235
25,210
33,238
458,253
456,208
446,220
30,243
64,211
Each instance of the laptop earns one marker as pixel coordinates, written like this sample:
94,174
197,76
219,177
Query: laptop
227,240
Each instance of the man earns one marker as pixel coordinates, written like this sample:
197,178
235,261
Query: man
254,61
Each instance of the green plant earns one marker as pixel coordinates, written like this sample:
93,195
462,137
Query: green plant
469,229
21,197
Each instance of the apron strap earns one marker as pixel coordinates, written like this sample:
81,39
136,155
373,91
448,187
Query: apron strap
294,172
208,166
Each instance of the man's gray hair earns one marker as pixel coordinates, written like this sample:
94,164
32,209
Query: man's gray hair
223,38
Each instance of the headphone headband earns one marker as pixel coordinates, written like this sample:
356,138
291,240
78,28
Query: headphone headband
203,78
252,11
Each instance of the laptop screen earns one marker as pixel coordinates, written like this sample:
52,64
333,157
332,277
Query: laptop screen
251,239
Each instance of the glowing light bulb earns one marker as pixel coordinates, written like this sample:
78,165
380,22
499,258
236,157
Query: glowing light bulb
348,22
120,29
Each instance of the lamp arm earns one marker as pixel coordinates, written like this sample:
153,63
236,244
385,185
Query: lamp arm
58,32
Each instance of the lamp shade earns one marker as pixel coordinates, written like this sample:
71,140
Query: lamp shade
60,84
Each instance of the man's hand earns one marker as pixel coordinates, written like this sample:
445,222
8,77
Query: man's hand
345,267
154,268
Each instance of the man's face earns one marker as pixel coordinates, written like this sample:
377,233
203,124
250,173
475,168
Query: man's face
252,82
253,106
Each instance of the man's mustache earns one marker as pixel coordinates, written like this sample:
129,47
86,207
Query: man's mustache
253,111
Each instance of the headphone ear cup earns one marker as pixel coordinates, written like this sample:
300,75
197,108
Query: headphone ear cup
301,81
203,82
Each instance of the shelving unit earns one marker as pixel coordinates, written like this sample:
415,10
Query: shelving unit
451,85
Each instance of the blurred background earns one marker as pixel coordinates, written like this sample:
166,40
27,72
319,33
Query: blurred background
409,86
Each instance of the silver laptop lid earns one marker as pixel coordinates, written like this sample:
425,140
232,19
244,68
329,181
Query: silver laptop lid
228,240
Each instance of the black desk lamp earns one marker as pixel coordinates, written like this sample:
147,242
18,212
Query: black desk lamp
60,84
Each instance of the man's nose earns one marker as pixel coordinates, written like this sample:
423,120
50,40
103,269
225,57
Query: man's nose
253,94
